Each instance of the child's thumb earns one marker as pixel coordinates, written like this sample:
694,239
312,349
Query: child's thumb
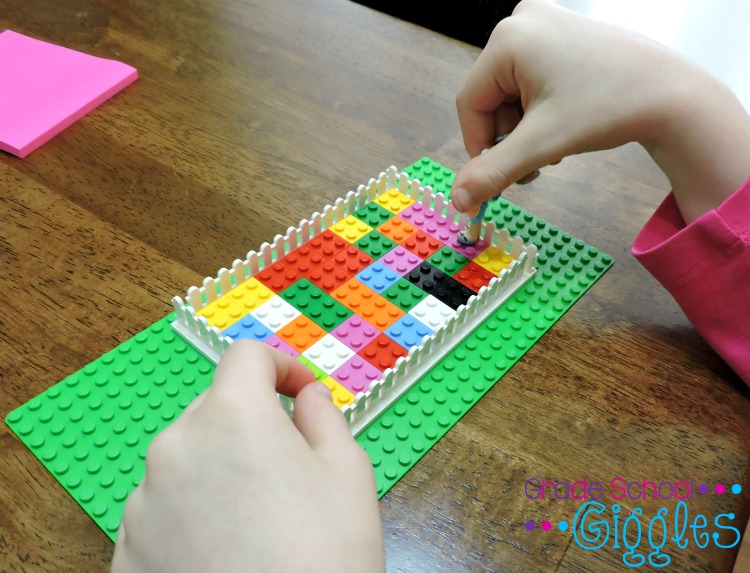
318,419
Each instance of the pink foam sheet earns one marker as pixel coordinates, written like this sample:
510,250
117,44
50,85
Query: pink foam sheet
44,88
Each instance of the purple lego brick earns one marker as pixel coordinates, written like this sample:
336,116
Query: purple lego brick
280,344
401,260
357,375
378,277
431,223
356,332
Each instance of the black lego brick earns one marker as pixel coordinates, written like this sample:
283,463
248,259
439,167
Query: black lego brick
443,287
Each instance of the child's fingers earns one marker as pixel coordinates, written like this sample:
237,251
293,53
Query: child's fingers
488,86
251,373
516,158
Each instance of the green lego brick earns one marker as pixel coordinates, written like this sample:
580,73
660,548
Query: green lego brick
319,374
448,261
431,173
375,244
566,268
373,214
404,294
92,429
316,304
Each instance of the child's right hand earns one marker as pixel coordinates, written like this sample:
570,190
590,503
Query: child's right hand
562,84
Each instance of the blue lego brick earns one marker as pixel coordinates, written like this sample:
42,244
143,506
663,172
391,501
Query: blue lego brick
248,328
408,331
378,277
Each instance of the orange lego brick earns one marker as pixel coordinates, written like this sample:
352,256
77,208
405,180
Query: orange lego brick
354,295
394,201
397,230
368,304
301,333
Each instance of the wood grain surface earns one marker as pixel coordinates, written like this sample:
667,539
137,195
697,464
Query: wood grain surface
248,116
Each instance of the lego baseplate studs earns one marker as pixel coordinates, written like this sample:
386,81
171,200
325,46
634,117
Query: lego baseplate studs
92,430
367,263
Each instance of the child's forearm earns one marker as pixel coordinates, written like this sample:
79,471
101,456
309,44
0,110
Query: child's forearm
702,144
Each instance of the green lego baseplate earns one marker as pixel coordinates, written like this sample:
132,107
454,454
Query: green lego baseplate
92,430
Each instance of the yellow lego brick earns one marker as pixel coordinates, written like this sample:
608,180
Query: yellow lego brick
494,260
238,303
394,201
351,229
341,396
251,294
222,313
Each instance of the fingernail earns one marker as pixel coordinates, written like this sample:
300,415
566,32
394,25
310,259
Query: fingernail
461,198
323,390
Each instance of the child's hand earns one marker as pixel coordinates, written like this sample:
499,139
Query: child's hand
234,485
562,84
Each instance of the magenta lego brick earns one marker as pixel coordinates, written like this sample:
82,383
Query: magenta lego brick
280,344
431,223
401,260
356,375
356,332
468,251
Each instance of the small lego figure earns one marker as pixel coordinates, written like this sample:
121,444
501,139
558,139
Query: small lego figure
470,234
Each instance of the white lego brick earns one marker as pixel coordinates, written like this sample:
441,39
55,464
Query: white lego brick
432,312
328,353
275,314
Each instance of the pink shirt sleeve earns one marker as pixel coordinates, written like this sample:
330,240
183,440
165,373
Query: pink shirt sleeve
706,267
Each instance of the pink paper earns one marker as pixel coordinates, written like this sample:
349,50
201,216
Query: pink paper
44,88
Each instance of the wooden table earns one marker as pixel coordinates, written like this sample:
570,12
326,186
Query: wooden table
247,117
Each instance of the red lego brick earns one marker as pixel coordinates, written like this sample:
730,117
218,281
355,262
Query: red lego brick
314,252
352,260
422,245
327,276
474,276
383,352
279,276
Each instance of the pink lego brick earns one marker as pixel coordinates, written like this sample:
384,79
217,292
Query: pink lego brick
280,344
468,251
431,223
356,333
356,375
401,260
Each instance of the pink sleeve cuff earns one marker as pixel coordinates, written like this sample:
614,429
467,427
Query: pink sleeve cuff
706,267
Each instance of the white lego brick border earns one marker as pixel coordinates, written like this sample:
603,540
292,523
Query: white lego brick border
407,370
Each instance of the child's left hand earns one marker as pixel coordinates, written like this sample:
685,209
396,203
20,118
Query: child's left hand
235,485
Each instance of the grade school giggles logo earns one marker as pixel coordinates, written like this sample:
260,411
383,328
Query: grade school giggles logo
595,525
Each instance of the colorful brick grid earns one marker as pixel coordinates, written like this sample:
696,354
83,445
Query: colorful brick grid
92,429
